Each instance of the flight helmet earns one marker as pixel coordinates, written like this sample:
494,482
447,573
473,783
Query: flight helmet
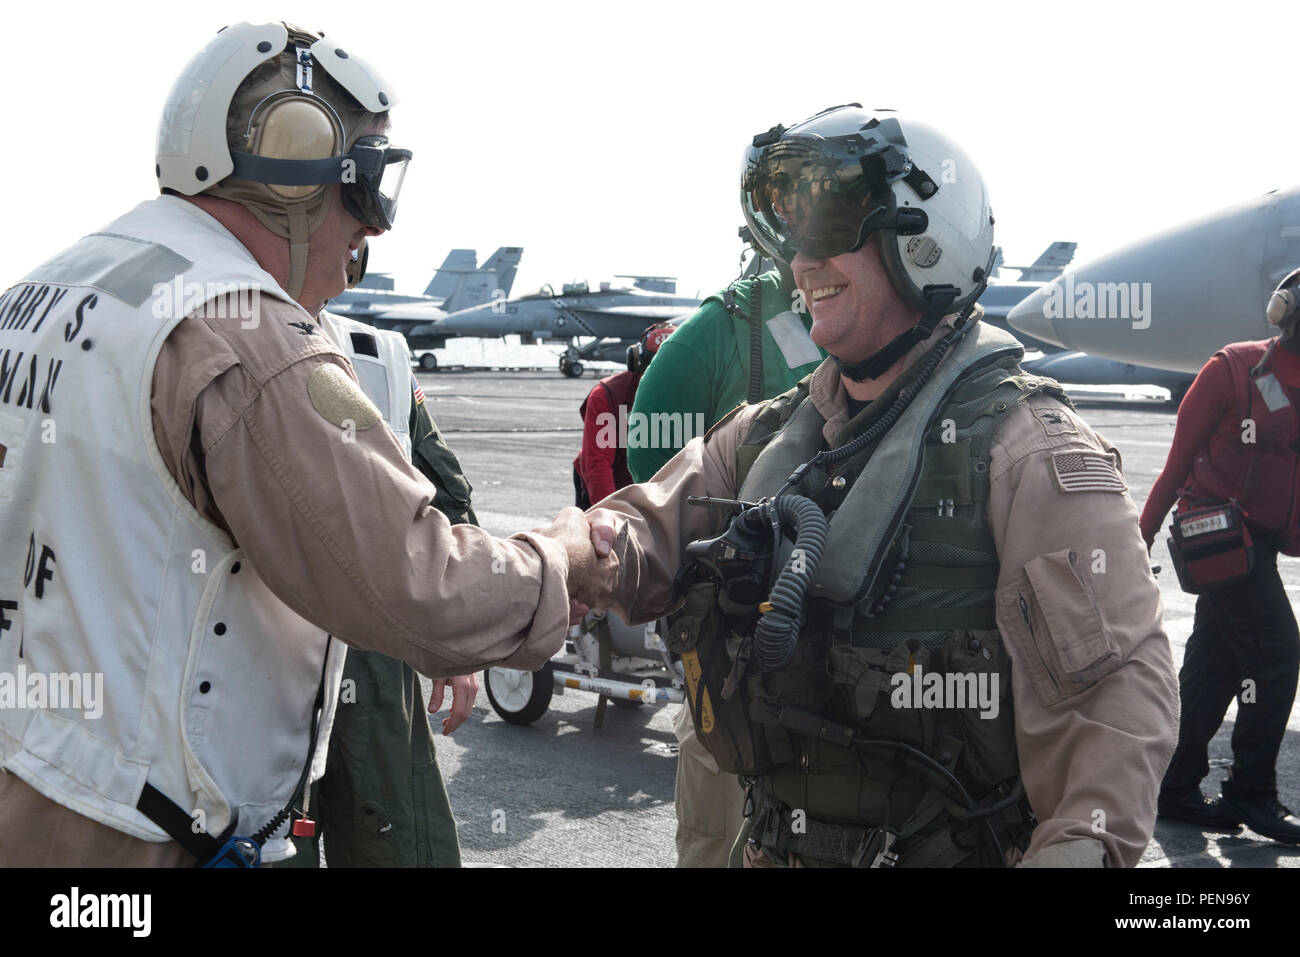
269,115
828,184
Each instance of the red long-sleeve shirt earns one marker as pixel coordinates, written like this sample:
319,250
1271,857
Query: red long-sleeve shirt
1208,407
602,463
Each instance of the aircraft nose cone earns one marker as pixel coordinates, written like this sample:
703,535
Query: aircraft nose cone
1171,300
1030,317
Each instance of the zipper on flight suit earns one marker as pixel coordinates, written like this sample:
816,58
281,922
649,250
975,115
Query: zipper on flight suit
1024,613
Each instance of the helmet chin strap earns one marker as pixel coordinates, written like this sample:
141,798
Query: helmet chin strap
938,299
299,230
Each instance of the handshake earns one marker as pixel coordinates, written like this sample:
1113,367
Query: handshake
593,547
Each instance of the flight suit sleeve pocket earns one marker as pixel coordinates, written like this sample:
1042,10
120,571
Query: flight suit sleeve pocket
1052,623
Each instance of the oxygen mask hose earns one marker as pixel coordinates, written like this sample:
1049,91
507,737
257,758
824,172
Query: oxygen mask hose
778,630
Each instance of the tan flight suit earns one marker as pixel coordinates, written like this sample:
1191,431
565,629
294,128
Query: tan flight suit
342,532
709,804
1092,745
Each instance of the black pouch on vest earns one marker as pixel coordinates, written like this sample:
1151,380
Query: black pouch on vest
699,635
987,724
872,692
1211,547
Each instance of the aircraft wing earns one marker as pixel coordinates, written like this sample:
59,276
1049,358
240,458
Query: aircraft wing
357,310
616,322
651,313
414,312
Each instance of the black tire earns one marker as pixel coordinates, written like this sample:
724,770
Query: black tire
429,362
515,710
574,371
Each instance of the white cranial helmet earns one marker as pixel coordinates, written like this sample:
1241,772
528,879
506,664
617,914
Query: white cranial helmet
269,115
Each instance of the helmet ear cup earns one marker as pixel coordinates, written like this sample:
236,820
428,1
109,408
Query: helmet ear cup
1284,304
294,126
1281,307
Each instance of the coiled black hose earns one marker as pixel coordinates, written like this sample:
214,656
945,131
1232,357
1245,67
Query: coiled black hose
755,394
778,631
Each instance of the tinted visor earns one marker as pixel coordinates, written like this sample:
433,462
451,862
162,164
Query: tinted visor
806,193
380,170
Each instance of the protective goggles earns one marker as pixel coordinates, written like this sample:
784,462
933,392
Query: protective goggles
826,196
371,173
380,170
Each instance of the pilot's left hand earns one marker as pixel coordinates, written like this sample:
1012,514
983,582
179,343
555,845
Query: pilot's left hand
464,689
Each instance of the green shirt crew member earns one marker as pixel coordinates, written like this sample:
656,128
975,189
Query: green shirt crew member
703,371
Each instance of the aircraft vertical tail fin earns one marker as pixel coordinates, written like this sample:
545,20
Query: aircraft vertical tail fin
505,263
447,277
460,282
1050,263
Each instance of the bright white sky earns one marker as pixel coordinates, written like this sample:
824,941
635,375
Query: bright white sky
606,137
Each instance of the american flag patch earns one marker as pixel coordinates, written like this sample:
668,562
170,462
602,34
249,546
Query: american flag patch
1087,472
416,390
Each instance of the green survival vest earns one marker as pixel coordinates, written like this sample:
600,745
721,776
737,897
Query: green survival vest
905,589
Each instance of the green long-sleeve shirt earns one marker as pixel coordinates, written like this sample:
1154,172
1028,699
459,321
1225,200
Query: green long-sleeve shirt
702,370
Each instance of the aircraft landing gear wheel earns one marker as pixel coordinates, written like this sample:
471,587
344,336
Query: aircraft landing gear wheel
520,697
573,370
429,362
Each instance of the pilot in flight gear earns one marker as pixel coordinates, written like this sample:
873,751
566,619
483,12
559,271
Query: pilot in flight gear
230,508
952,654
